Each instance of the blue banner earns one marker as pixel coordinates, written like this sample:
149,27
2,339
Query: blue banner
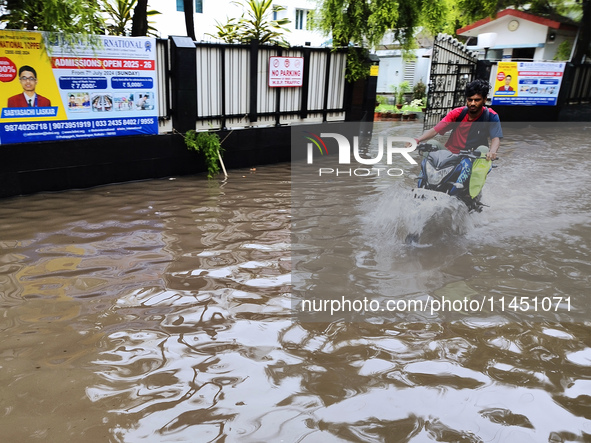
132,82
525,101
83,83
22,132
97,87
527,83
50,111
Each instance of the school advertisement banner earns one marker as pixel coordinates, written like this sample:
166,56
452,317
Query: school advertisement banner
528,83
59,90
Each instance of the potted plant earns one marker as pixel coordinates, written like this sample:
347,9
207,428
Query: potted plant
419,90
402,89
415,104
380,100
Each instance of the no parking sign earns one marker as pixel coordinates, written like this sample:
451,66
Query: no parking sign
286,72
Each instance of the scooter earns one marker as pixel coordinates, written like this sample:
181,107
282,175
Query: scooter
442,171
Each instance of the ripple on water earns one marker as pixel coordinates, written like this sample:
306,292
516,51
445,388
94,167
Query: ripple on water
161,311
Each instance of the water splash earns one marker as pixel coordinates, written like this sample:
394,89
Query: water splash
416,217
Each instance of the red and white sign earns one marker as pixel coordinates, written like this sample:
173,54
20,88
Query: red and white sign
286,72
101,63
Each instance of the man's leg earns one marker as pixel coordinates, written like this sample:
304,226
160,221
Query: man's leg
464,176
467,165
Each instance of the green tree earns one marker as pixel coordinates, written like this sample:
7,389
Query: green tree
69,17
363,24
121,14
256,25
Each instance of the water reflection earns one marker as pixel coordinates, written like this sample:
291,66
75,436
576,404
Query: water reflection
161,311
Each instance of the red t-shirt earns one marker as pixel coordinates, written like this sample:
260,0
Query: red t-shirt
457,140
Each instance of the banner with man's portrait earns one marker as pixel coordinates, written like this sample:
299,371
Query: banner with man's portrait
59,89
528,83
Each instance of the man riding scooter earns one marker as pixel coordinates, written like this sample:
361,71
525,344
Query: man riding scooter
472,126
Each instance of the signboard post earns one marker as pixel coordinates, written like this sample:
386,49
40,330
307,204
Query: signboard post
528,83
55,90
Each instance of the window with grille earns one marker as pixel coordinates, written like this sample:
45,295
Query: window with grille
301,21
409,72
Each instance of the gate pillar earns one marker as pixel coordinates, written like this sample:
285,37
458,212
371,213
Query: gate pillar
184,83
483,68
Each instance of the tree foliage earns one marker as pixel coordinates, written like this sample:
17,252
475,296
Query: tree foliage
121,13
364,23
256,25
71,16
86,17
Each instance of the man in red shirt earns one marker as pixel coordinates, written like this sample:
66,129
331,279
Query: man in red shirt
29,98
472,125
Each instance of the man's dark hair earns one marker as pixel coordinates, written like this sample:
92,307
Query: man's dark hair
480,87
508,75
27,68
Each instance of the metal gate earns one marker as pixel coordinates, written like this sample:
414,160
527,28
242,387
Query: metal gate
452,67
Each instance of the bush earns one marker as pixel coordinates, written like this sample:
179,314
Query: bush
419,91
403,88
209,144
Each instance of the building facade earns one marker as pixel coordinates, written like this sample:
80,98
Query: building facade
520,36
208,13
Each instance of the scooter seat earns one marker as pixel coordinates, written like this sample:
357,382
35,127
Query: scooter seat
441,159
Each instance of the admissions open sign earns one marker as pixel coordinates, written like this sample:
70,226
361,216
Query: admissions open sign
528,83
53,90
286,72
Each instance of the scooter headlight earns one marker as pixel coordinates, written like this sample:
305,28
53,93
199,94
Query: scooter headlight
434,176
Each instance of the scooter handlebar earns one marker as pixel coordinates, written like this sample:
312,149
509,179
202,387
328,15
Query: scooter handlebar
428,147
472,154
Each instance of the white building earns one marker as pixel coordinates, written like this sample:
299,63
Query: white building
171,21
394,69
520,36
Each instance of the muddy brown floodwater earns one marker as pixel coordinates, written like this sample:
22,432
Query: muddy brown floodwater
161,311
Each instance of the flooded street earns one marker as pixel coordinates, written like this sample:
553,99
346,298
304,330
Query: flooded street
162,311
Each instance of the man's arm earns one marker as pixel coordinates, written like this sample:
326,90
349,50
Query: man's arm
494,147
427,135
